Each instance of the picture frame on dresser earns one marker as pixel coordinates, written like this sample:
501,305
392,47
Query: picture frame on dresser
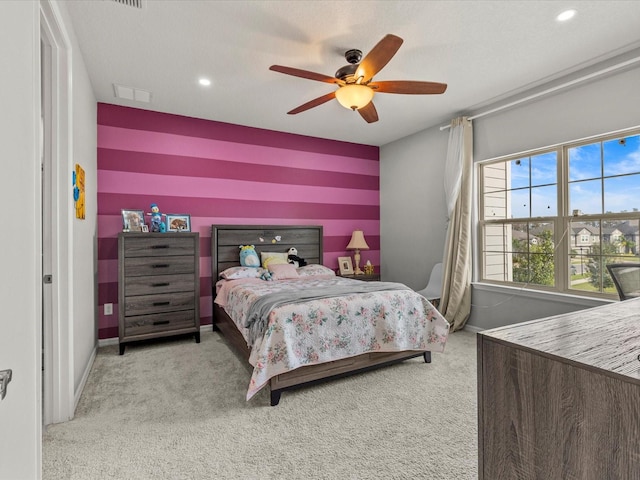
346,266
178,222
132,220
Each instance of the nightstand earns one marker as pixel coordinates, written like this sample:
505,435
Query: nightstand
374,277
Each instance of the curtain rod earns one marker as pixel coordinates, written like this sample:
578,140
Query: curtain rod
553,89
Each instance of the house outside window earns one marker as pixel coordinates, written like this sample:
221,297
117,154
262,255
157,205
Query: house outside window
553,219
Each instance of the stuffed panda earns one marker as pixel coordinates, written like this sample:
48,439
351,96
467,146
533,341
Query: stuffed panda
293,258
249,256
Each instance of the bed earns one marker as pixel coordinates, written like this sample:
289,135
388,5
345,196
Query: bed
295,348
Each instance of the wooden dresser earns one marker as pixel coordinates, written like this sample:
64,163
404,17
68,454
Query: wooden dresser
559,397
158,285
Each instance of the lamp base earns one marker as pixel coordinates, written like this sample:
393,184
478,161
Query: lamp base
356,260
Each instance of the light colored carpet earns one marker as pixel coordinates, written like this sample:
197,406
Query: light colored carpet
176,410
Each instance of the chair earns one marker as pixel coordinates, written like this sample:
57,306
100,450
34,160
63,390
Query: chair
626,278
433,290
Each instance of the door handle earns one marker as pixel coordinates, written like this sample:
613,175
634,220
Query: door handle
5,378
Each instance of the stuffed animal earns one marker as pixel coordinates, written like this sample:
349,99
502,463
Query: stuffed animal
293,258
249,256
266,275
157,225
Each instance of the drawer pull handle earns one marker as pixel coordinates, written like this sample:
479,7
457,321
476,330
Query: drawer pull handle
161,304
165,284
161,322
160,246
161,265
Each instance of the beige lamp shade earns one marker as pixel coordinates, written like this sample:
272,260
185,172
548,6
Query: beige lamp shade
357,241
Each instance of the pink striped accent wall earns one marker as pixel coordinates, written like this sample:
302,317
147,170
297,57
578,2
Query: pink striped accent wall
227,174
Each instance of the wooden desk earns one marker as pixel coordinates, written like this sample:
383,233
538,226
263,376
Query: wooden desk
559,398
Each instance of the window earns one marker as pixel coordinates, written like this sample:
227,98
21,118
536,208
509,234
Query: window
555,218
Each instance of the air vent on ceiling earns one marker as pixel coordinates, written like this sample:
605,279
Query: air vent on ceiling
131,93
130,3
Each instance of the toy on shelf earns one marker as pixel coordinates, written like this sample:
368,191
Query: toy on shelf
157,225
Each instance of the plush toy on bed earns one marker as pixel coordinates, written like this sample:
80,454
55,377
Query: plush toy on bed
292,257
266,275
249,256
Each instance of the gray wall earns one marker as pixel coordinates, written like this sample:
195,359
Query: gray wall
412,207
412,192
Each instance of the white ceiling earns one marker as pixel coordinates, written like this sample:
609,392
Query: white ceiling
484,50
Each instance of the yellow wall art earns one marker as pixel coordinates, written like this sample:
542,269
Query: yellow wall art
78,191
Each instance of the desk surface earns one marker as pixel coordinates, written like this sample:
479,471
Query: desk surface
606,338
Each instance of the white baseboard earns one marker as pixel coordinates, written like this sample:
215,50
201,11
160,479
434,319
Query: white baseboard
105,342
472,329
83,380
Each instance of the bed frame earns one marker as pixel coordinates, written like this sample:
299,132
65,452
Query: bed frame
225,240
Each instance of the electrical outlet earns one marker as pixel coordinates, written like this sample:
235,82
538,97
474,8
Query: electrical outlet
108,308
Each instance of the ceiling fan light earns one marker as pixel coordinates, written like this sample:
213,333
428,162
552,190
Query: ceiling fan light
354,96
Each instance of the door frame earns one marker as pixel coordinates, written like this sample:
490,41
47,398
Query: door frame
58,382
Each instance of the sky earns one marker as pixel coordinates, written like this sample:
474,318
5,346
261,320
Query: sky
613,164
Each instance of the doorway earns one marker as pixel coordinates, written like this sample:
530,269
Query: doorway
57,373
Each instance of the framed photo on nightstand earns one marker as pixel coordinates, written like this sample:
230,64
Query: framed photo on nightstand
346,267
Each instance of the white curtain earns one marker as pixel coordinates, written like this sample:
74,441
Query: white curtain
455,302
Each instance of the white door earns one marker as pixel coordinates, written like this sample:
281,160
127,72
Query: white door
20,275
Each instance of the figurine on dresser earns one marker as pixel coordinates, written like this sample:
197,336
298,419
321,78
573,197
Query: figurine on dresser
157,225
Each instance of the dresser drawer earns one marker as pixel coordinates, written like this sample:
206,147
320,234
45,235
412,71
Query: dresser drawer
140,266
146,304
149,285
158,245
162,322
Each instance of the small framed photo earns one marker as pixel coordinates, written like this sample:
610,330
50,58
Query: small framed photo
346,267
178,222
132,220
145,228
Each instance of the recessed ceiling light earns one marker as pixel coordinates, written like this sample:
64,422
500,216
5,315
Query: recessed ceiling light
566,15
205,82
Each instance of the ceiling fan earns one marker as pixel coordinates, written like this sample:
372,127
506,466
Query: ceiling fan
355,81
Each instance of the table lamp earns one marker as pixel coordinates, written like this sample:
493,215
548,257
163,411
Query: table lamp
357,243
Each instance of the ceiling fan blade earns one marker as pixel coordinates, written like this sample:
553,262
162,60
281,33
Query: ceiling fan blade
378,57
296,72
369,113
313,103
409,87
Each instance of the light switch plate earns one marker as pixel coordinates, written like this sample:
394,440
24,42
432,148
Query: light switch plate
108,308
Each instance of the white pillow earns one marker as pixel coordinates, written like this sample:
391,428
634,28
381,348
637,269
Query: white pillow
234,273
315,269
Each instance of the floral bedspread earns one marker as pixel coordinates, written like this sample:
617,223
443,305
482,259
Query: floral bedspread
333,328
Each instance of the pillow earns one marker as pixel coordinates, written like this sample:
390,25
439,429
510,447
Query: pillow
315,269
273,257
282,271
234,273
